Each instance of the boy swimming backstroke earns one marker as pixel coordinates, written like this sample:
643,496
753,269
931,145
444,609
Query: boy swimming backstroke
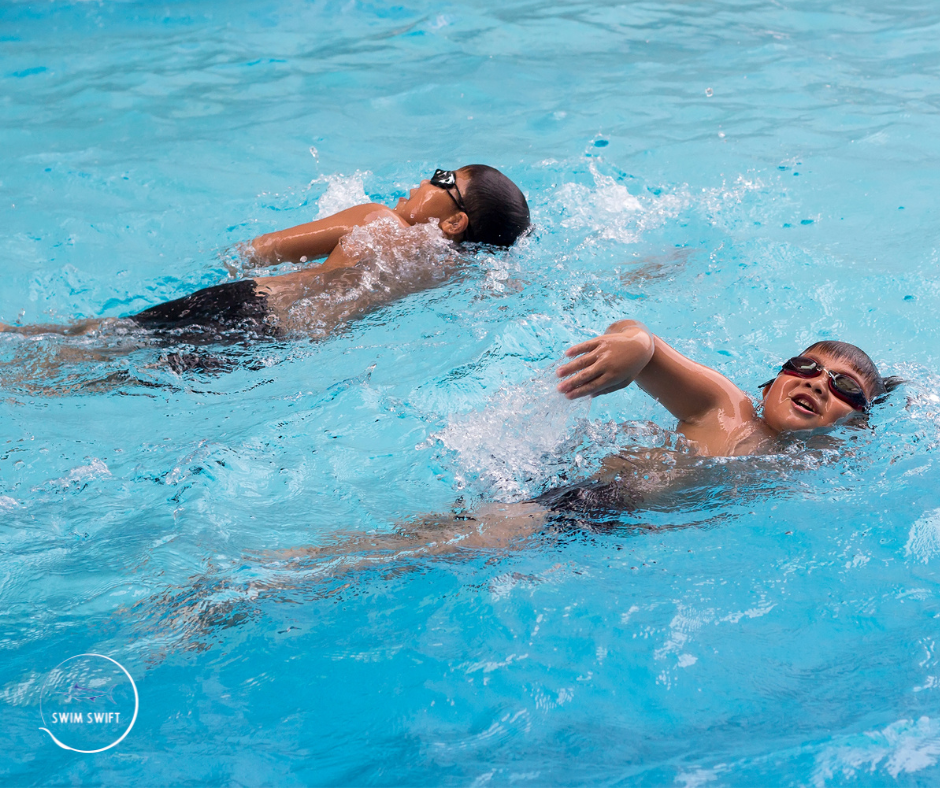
474,204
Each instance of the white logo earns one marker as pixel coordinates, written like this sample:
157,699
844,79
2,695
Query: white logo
87,703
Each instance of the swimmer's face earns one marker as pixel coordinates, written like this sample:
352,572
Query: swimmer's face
793,404
426,202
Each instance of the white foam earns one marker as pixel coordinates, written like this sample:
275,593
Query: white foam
904,746
700,776
85,473
608,209
342,192
923,542
610,212
505,444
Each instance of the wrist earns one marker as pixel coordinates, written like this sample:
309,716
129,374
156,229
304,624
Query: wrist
263,247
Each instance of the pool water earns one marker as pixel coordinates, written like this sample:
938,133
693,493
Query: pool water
744,178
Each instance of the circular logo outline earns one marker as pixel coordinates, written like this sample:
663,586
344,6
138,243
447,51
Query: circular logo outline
133,719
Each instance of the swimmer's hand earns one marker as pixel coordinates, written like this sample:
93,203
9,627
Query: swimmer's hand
608,362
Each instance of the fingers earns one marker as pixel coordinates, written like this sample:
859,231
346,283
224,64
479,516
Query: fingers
581,373
579,386
577,365
584,381
583,347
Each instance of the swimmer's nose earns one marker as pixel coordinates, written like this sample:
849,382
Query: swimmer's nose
819,385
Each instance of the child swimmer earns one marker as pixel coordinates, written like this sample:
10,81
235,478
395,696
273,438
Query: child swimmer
826,384
476,203
829,383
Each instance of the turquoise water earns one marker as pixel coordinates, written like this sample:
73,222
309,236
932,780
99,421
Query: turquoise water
744,178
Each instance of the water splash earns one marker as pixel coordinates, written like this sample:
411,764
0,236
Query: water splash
342,192
511,445
394,261
609,212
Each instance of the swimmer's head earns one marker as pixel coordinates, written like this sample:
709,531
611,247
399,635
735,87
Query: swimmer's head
474,204
843,382
497,209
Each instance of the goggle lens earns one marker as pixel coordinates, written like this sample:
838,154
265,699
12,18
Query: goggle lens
444,179
844,387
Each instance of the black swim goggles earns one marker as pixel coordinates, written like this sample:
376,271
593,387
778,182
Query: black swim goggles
843,386
447,180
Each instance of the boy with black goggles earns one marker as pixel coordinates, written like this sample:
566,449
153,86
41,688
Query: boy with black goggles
447,180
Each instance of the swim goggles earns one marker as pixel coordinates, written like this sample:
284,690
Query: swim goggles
447,180
845,387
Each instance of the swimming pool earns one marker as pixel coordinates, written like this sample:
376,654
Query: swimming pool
744,178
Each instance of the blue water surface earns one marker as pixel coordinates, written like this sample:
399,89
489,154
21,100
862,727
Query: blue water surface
744,177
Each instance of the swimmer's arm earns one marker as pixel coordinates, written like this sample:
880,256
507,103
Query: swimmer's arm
315,239
628,352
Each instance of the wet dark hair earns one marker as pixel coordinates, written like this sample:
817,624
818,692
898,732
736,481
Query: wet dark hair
497,210
878,386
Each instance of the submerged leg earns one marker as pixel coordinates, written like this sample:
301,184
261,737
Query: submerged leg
216,599
493,526
78,328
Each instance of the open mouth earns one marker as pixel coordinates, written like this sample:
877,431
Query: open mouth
803,403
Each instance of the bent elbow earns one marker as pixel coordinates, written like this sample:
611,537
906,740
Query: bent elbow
625,325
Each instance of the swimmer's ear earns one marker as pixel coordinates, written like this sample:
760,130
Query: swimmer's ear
455,225
765,387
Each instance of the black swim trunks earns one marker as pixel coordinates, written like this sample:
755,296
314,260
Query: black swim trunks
591,502
230,312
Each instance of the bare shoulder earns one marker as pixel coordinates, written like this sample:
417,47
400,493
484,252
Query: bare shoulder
374,211
729,425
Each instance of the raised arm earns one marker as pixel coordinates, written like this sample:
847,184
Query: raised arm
628,352
314,239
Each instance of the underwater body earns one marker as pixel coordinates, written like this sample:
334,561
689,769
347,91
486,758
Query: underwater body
246,538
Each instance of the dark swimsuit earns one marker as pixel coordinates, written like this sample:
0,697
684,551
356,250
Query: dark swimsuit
224,313
591,502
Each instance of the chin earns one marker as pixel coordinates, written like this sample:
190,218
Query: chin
789,424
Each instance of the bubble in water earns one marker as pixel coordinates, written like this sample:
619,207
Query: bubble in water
709,92
923,542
